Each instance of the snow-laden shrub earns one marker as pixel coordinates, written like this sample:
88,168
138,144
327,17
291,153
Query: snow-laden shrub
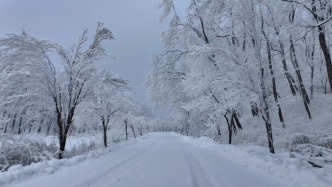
303,139
318,146
4,164
81,149
311,150
23,150
328,143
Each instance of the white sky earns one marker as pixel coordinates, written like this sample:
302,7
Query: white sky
134,23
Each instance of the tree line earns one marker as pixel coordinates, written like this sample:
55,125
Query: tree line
47,89
230,57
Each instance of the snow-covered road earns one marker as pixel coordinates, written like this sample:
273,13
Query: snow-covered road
160,159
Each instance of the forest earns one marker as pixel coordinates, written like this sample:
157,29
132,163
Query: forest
44,102
249,72
240,72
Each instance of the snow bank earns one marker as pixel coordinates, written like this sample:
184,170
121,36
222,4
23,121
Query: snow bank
297,171
19,172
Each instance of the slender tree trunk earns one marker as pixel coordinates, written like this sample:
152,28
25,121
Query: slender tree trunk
288,76
312,82
63,131
274,86
48,127
5,131
103,121
19,125
140,131
326,52
266,115
30,126
126,126
229,130
218,130
237,121
14,120
132,128
304,94
105,137
233,124
62,138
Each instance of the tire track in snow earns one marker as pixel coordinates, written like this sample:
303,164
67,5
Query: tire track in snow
126,164
196,168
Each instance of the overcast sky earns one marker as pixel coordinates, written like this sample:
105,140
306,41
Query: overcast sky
134,23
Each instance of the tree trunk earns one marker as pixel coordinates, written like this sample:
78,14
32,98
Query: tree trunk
218,130
62,146
14,120
312,82
233,123
62,139
19,126
5,131
274,86
288,76
126,126
48,127
140,131
104,131
105,137
30,126
132,128
266,112
326,52
304,94
237,121
63,132
229,130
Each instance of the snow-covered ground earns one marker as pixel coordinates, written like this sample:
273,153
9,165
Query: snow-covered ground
295,171
169,159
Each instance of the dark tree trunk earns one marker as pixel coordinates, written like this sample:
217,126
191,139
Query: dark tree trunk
254,109
288,76
19,125
237,121
103,121
310,61
274,89
126,126
48,127
5,131
62,147
326,52
14,120
233,124
63,130
312,82
274,86
304,94
62,138
140,131
218,130
297,70
266,112
229,130
30,126
105,137
132,128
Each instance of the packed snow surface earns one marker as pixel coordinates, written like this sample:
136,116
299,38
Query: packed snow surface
159,159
